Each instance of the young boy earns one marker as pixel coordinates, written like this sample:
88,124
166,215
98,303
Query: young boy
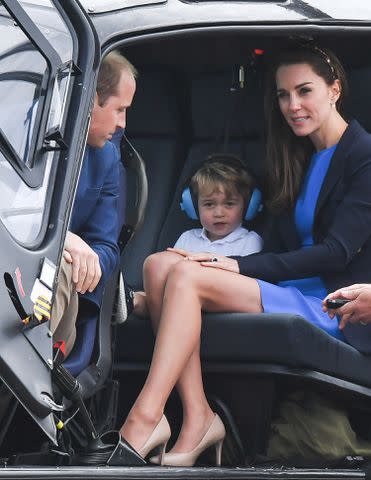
221,191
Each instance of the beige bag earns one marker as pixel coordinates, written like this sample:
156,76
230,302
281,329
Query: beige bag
312,429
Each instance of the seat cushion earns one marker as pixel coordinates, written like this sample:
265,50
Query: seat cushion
235,338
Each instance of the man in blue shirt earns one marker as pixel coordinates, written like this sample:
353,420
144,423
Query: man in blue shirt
91,252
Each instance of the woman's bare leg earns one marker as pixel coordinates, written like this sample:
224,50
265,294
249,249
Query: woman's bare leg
155,272
197,413
190,287
196,409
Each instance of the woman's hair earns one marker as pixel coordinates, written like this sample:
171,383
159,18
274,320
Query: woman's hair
226,172
287,155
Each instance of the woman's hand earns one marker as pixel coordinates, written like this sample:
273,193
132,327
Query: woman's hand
223,263
183,253
358,310
209,260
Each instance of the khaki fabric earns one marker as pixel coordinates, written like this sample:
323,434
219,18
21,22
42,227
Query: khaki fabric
65,308
311,428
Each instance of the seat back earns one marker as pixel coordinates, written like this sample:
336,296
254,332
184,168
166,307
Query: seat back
221,122
358,105
156,128
211,108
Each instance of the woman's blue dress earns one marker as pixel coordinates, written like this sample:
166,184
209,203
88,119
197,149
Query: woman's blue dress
304,296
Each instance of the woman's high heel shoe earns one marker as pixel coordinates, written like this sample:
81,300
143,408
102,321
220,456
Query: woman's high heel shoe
158,438
214,436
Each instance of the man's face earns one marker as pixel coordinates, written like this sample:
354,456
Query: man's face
106,119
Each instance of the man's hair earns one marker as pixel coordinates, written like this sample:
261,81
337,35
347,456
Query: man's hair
109,75
226,173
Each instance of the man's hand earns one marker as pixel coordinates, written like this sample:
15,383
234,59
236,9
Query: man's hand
86,271
358,310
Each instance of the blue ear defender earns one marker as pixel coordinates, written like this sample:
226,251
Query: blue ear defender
254,207
187,204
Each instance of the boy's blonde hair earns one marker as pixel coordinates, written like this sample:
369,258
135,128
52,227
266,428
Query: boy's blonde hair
226,173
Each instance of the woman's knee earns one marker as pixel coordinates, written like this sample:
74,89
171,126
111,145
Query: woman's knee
159,264
185,274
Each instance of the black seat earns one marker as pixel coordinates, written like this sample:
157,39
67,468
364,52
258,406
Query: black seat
221,122
231,339
263,346
357,104
135,339
156,130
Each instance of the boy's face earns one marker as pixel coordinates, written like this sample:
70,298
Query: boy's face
220,213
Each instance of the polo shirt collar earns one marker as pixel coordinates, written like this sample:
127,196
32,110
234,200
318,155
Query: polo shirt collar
236,234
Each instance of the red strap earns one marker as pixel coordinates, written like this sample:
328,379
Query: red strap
60,345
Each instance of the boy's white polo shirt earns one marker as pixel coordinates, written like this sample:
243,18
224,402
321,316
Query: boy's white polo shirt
239,242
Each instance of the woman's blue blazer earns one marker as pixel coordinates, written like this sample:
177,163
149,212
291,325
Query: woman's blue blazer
341,253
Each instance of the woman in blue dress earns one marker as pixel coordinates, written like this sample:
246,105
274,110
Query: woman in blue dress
319,195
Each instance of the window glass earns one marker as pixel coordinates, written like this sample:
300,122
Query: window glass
22,69
44,14
21,207
25,118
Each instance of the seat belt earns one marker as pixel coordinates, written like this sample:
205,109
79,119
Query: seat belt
235,100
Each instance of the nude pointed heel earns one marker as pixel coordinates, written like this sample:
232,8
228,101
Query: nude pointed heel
158,438
218,452
213,437
162,453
